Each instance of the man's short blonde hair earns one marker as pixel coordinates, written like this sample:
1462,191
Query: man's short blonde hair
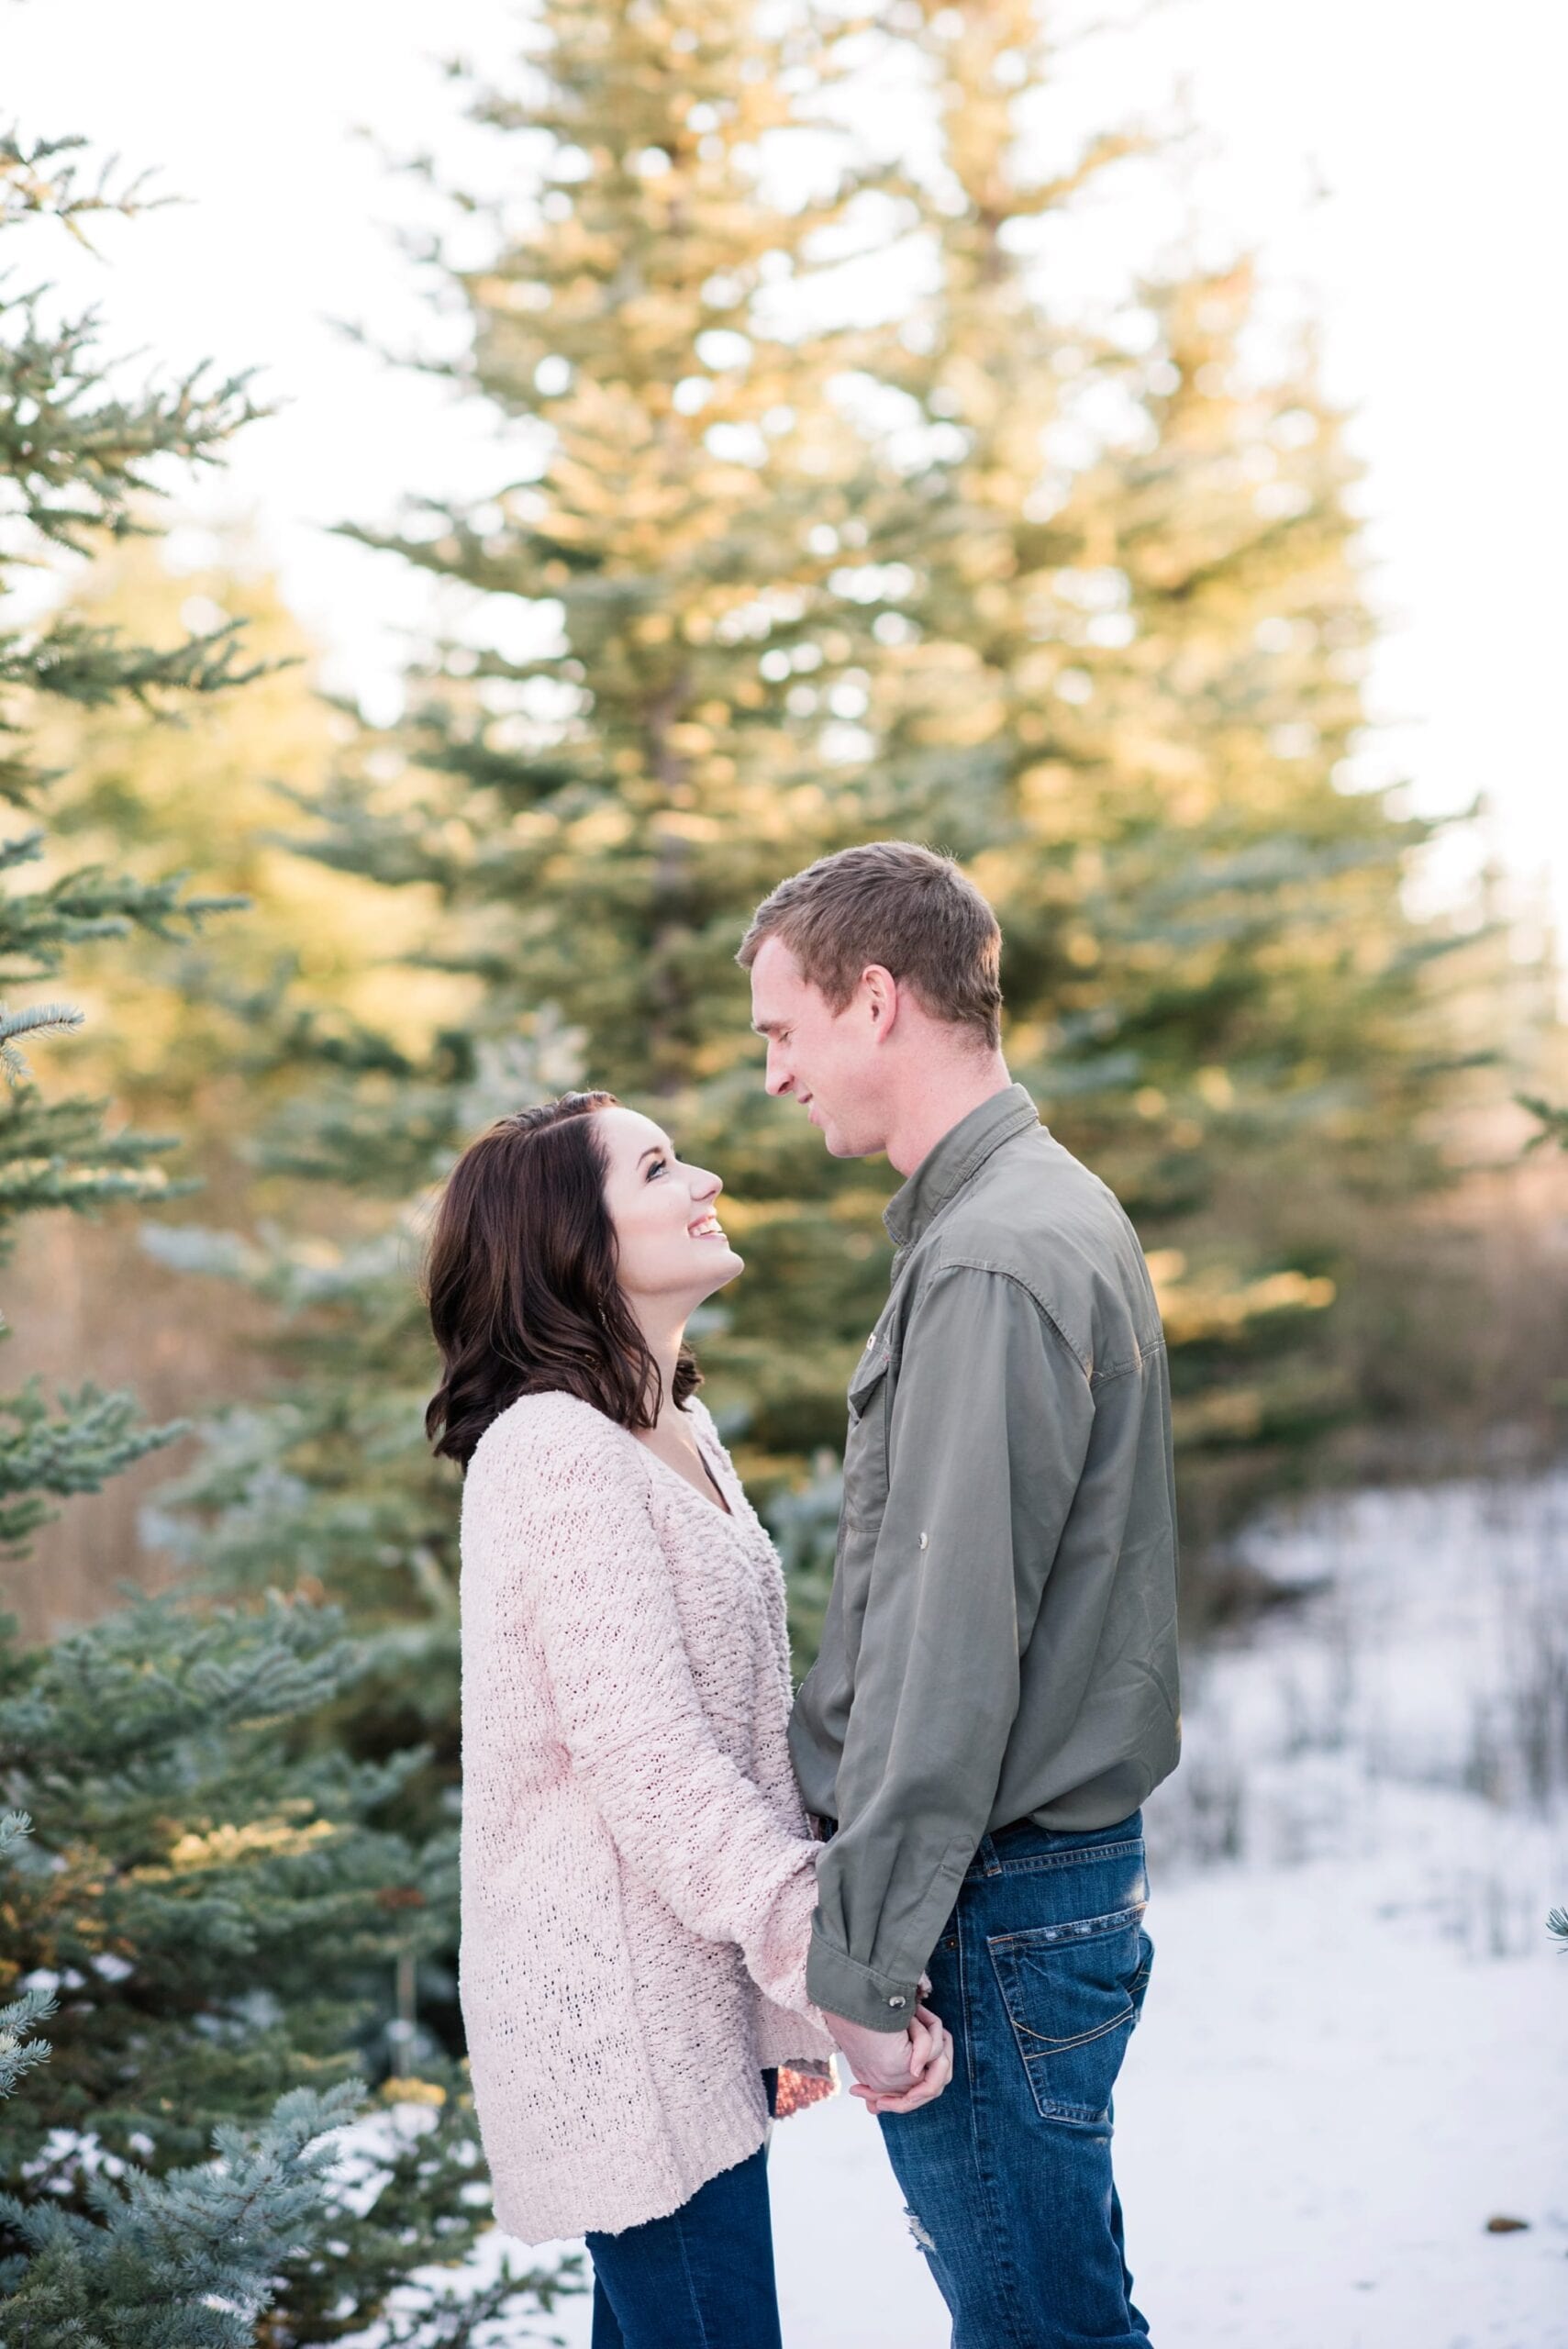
899,905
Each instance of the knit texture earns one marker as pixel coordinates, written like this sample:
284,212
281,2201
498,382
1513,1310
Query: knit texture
638,1882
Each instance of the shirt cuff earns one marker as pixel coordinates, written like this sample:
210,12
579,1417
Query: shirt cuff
840,1984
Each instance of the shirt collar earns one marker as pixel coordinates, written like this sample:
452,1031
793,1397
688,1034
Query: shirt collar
960,1154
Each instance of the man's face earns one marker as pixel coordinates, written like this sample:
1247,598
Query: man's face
826,1059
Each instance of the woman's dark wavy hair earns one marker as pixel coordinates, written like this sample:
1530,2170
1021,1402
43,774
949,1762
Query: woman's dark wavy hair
521,1286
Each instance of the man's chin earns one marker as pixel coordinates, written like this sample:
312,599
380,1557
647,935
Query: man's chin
836,1141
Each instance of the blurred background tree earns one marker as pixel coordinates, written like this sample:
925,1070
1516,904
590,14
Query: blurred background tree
1077,596
595,805
1130,699
206,785
184,1029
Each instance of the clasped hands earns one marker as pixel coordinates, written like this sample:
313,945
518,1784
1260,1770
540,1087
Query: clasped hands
896,2071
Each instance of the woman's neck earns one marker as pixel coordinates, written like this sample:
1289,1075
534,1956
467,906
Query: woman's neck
663,1333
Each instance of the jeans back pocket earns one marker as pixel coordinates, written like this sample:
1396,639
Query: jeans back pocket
1073,1992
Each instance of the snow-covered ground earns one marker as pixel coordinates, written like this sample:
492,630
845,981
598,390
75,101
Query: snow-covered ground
1355,2048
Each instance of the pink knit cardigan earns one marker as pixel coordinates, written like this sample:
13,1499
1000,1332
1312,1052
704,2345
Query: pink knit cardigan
638,1884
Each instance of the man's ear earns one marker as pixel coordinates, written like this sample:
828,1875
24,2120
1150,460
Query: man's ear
881,998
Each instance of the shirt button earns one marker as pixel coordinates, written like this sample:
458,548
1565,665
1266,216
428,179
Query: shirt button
898,2002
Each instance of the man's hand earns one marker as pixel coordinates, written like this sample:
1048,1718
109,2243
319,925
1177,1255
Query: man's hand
891,2069
936,2071
887,2061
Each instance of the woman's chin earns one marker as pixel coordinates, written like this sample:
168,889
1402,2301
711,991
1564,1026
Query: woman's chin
726,1266
720,1267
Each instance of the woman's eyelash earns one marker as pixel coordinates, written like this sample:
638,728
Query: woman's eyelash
656,1166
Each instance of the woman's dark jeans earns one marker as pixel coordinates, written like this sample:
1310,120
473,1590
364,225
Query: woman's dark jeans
701,2278
1040,1975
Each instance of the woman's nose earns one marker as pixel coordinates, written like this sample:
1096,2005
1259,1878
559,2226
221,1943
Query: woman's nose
704,1185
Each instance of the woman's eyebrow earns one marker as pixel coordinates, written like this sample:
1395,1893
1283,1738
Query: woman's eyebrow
656,1150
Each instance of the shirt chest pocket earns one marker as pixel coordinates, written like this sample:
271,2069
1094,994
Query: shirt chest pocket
865,1447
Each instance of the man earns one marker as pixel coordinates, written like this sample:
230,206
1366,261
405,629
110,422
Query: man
996,1689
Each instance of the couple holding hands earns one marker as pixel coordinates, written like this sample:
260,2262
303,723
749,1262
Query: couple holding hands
684,1885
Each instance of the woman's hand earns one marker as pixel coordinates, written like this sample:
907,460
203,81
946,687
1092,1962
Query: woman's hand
931,2049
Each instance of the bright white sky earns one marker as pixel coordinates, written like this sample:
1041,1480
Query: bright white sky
1399,165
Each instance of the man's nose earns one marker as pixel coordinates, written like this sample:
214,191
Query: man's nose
778,1079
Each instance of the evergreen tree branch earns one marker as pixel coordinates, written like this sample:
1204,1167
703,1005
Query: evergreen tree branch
45,177
1553,1120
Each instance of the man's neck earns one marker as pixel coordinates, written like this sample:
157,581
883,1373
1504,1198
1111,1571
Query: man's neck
943,1102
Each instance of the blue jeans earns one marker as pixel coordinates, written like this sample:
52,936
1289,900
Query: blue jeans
701,2278
1040,1975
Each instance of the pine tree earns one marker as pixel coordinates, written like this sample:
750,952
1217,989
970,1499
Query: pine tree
596,819
76,456
1090,614
186,2261
203,1915
1128,698
200,1901
1076,598
172,1025
170,1022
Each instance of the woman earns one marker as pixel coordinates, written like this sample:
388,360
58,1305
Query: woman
638,1880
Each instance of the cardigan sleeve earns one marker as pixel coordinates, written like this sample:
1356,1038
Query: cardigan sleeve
594,1578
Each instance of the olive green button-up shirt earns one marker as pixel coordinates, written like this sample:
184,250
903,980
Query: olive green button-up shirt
1001,1639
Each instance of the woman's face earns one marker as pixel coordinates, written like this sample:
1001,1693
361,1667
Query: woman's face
670,1248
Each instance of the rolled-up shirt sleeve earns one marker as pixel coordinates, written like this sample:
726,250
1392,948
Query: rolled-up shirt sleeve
987,1435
